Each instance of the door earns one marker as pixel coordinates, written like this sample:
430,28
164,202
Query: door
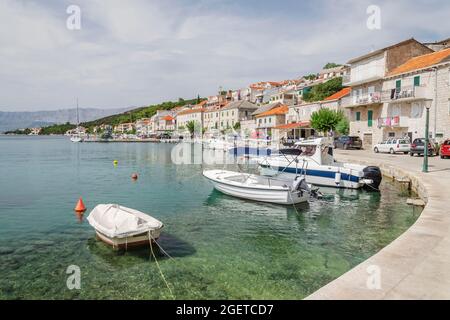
367,141
369,118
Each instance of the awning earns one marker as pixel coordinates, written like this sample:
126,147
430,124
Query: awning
295,125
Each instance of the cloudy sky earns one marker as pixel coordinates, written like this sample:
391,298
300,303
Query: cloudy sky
138,52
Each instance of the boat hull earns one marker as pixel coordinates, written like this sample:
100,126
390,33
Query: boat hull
258,193
327,177
129,242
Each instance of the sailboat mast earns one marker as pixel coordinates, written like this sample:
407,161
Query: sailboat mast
78,118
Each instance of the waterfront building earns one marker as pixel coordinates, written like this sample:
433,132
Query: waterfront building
233,113
124,128
407,90
166,123
298,118
158,122
267,120
143,127
366,80
35,131
183,117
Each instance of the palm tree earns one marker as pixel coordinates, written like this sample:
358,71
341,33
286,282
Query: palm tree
191,127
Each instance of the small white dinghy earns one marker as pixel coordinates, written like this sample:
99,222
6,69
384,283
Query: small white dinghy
259,188
122,227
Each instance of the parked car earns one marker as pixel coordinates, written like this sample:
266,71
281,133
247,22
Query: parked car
445,149
417,147
347,142
393,146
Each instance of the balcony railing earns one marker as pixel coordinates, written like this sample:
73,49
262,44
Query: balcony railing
364,99
396,121
406,93
346,79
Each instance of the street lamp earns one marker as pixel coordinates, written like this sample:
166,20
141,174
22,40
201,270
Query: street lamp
427,136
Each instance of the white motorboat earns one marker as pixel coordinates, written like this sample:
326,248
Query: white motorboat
259,188
314,160
122,227
76,138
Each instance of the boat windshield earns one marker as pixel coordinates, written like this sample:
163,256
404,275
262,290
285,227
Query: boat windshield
307,150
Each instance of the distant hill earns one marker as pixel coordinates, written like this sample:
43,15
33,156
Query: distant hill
19,120
139,113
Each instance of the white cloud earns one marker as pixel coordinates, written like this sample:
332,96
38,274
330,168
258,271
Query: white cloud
139,52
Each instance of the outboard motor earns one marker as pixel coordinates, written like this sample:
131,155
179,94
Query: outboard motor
300,184
374,174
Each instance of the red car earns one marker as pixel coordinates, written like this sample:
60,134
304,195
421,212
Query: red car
445,149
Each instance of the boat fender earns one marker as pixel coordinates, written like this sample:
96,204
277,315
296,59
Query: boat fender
337,178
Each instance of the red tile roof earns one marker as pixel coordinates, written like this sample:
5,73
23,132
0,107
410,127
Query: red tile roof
168,118
339,94
293,125
421,62
283,109
197,110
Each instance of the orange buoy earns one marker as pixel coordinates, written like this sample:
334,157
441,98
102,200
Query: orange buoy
80,207
134,176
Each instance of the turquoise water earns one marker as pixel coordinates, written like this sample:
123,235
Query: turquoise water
222,247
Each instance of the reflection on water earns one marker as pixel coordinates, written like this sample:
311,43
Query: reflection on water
222,247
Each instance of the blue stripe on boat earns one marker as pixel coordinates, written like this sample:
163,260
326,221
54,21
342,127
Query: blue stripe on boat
319,173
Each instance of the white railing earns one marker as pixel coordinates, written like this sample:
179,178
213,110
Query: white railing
406,93
357,100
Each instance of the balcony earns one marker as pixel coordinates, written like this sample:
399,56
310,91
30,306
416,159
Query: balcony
405,94
393,122
362,100
346,79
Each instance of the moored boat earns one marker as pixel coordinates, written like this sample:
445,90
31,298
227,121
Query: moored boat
122,227
314,159
259,188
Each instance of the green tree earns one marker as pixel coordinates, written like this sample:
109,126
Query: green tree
323,90
237,126
311,76
191,125
330,65
343,126
326,120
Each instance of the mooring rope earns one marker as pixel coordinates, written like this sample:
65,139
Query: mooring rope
157,264
161,248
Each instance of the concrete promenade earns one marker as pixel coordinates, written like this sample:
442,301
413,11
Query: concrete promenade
417,264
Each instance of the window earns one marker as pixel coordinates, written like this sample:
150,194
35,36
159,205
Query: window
391,134
398,84
358,116
416,81
270,120
369,118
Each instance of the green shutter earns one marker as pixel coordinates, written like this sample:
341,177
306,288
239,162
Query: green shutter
369,118
398,84
358,116
417,81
